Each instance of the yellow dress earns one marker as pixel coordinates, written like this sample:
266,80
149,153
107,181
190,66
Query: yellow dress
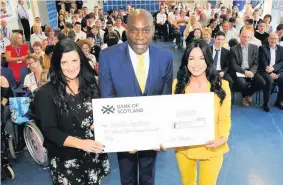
222,120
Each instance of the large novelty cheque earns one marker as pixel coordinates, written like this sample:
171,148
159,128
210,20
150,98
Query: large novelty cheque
143,123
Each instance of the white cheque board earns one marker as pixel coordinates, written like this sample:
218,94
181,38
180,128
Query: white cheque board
143,123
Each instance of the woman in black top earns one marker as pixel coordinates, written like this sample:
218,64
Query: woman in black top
64,107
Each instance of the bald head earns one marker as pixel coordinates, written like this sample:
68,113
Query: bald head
273,39
140,14
3,23
140,30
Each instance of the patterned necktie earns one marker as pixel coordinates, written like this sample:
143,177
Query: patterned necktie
25,12
140,73
216,57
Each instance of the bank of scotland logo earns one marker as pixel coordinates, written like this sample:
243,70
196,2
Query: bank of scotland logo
108,109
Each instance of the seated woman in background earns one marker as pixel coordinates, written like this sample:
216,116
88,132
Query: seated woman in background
61,21
37,21
206,36
16,54
197,75
64,108
85,46
35,64
38,35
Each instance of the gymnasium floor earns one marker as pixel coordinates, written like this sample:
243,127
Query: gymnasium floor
255,157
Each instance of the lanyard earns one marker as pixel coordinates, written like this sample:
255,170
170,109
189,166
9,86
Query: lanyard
18,51
5,32
35,78
39,36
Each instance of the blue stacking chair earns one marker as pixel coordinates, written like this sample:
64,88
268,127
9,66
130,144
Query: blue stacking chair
23,72
9,74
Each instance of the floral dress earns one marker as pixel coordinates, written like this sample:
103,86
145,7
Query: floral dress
86,168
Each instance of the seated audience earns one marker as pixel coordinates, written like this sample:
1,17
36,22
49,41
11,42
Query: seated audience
35,64
85,46
244,64
16,54
221,58
80,35
37,35
260,34
271,69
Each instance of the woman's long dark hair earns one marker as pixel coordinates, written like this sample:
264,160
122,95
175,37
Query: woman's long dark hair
88,86
183,75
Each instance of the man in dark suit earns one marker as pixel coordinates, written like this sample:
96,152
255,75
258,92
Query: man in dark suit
136,68
271,69
244,64
221,57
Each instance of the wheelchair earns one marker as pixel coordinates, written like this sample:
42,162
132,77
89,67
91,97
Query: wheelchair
7,147
31,133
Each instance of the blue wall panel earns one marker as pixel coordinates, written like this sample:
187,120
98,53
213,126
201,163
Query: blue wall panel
52,13
151,6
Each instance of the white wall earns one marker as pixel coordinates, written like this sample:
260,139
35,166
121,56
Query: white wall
14,22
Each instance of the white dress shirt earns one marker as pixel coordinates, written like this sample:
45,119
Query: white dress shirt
80,36
3,43
134,59
6,32
39,37
218,66
120,29
23,12
272,56
232,34
161,18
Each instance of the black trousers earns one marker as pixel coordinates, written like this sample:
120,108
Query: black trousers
162,30
229,78
268,85
177,35
248,86
142,162
26,27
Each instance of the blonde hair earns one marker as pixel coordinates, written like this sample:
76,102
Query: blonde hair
36,57
206,30
14,38
43,78
34,25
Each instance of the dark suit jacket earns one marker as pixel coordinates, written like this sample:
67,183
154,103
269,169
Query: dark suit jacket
117,76
224,59
237,58
264,58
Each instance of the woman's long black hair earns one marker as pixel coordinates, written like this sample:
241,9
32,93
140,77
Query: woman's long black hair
88,86
183,75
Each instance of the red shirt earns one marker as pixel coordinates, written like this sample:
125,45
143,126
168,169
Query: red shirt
16,66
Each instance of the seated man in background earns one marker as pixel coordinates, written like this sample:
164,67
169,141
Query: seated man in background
244,64
221,57
271,69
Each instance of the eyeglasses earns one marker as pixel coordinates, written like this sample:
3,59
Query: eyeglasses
29,64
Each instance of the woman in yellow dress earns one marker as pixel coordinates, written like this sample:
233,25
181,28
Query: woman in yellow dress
197,75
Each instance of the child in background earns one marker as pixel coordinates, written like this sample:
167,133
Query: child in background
260,34
37,49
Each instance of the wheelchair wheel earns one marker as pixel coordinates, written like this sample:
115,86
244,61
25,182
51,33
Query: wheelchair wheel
34,141
12,147
9,172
